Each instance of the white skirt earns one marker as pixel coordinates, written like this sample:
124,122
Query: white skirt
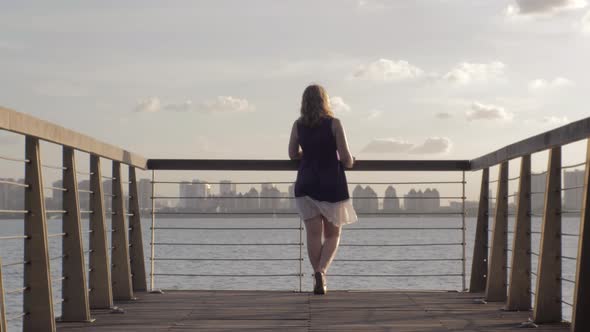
338,213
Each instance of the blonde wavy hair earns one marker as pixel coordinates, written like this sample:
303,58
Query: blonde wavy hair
315,105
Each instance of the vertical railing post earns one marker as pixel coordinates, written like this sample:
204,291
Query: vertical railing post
153,233
581,309
300,255
497,278
101,295
2,302
121,269
75,306
37,299
548,291
463,239
519,289
135,235
479,264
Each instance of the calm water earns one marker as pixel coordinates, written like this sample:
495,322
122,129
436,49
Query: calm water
12,251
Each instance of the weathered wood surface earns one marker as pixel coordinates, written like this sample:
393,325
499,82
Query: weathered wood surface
31,126
288,311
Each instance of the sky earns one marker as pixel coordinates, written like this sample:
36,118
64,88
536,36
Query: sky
421,79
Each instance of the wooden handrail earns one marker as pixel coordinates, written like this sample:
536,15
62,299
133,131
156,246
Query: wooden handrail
31,126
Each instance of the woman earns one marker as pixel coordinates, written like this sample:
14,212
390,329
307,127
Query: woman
321,190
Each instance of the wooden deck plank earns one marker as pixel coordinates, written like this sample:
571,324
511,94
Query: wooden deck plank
217,311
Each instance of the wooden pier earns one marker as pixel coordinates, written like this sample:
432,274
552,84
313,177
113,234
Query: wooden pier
400,311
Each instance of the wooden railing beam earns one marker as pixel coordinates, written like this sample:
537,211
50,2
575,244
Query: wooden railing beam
496,281
138,276
120,268
75,307
479,266
519,288
37,300
547,307
101,295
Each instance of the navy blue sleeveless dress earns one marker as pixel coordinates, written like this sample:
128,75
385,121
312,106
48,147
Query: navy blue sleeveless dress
320,175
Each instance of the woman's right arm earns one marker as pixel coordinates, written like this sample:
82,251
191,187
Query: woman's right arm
294,149
342,144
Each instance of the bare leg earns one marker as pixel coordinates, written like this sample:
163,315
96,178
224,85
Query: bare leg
331,241
313,228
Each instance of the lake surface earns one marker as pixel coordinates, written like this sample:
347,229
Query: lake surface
339,275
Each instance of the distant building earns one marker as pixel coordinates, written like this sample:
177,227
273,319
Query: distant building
144,191
573,197
364,200
270,197
538,182
12,197
226,188
422,201
252,202
195,193
390,200
411,200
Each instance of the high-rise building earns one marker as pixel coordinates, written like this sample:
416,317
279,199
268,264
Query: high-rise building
270,200
411,200
226,188
422,201
364,200
195,194
391,201
252,201
538,182
144,191
12,197
573,197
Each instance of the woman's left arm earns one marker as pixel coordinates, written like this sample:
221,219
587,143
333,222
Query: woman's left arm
294,150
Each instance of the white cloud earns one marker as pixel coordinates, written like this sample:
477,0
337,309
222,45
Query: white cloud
585,23
149,105
338,105
443,115
481,111
374,114
555,120
466,73
387,70
433,145
387,145
543,7
224,104
221,104
542,84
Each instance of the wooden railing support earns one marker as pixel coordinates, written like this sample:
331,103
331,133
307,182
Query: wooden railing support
479,266
101,294
581,309
547,307
496,281
121,269
136,236
37,299
2,302
75,306
519,287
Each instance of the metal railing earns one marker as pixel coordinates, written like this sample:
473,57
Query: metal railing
116,268
195,214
